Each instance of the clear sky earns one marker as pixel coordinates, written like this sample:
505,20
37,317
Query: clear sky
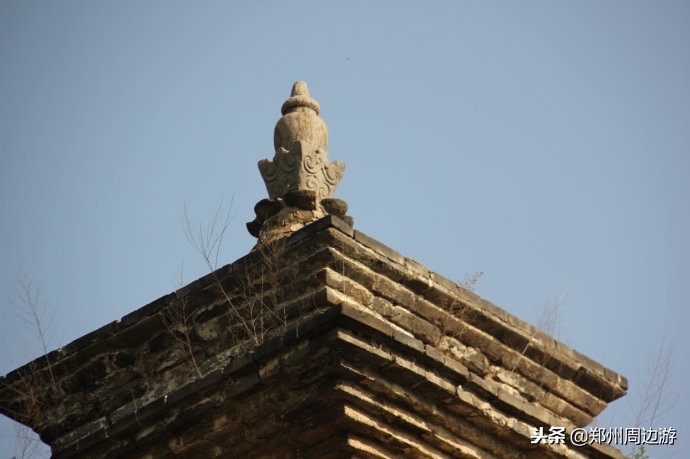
544,143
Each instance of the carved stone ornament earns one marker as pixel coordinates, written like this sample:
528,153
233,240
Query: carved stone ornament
300,180
301,159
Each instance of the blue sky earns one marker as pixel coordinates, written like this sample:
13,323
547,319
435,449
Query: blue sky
546,144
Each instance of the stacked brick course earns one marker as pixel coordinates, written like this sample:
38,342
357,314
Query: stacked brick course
369,354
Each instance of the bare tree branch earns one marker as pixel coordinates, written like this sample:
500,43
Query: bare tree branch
28,308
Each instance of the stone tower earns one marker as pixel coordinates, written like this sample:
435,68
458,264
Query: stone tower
320,343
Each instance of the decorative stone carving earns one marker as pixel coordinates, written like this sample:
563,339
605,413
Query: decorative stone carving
300,179
301,168
301,159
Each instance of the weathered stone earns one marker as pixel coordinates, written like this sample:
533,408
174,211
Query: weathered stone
452,369
300,120
348,287
123,359
267,208
335,206
311,230
302,199
418,326
160,342
301,160
299,174
86,376
408,341
468,356
379,247
349,221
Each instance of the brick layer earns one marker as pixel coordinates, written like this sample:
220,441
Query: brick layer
328,344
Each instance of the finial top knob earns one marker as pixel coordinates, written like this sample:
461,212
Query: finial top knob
300,121
299,98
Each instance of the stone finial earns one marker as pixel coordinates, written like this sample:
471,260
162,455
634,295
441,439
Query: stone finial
300,139
300,179
300,121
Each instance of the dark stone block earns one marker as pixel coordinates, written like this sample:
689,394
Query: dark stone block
190,416
302,199
137,333
417,285
267,208
149,411
240,366
267,350
335,206
313,326
211,313
91,440
308,231
85,377
407,342
254,227
242,385
402,375
360,321
349,221
344,225
123,359
127,449
96,335
329,221
140,314
160,342
194,387
588,380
